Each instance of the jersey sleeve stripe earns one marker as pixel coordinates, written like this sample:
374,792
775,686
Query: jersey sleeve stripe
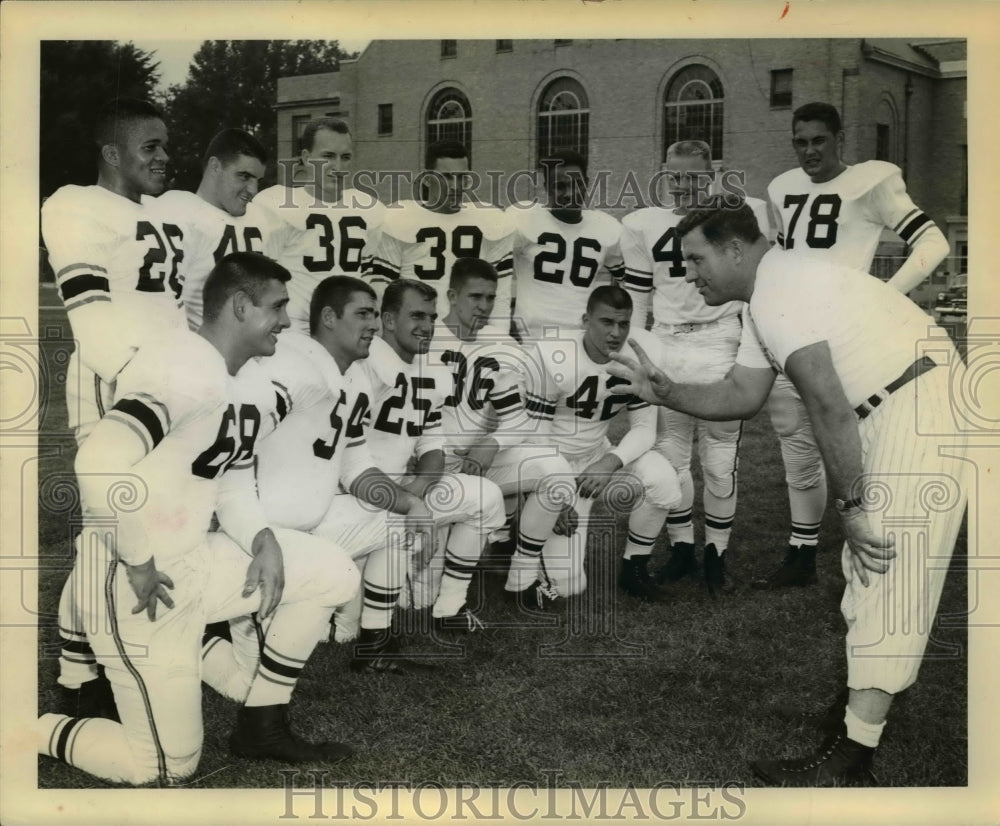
384,268
507,403
913,226
87,286
638,280
780,240
504,265
137,413
283,399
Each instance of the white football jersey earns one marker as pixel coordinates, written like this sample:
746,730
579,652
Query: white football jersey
197,423
416,242
210,234
487,383
321,239
842,219
654,266
557,265
576,396
320,443
407,401
117,266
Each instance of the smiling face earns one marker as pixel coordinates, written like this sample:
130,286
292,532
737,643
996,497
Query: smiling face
265,318
818,150
409,330
714,269
142,157
351,334
605,330
566,187
233,185
328,162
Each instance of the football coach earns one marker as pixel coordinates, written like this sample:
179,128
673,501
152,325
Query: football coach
874,373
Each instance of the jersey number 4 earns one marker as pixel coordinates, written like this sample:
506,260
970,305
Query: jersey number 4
234,442
582,268
668,248
584,400
156,270
350,245
822,230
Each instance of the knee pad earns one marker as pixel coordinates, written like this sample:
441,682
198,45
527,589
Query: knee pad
718,448
803,463
659,480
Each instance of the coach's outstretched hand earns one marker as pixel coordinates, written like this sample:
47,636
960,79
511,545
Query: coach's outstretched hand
267,572
645,379
869,552
150,586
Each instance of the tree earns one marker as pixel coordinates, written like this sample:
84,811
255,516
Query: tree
77,78
233,84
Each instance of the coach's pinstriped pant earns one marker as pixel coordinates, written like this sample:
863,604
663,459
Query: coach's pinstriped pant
915,481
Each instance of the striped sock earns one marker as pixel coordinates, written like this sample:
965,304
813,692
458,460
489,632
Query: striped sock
461,557
638,545
276,677
680,528
379,604
77,663
805,534
524,564
718,531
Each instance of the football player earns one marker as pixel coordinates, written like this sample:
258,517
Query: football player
320,448
699,346
221,217
835,212
407,401
330,227
177,444
421,239
575,395
561,250
484,422
116,263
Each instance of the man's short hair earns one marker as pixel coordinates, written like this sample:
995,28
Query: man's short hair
314,126
115,114
465,269
392,298
229,144
562,157
334,292
721,220
247,272
691,149
610,295
444,149
817,110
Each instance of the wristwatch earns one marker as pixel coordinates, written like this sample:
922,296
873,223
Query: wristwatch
843,505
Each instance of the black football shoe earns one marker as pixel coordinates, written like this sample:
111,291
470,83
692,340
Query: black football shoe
680,563
840,761
636,580
715,569
797,569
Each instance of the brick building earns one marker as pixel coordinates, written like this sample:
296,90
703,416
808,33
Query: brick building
621,102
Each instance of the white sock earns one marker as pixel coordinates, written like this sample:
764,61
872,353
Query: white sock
867,734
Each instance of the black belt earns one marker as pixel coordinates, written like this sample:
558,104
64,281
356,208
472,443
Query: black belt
918,368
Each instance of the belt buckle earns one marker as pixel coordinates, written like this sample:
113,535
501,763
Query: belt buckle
687,327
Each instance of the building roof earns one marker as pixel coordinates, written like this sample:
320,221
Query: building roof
938,58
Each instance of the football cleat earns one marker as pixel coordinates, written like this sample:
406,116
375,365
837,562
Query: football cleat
537,597
840,761
636,580
464,622
680,564
264,733
378,651
715,569
798,568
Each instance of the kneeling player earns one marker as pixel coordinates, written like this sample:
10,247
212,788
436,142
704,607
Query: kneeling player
178,444
409,394
484,421
573,392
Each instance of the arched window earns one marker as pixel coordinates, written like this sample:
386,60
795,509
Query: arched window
563,118
885,130
693,109
449,118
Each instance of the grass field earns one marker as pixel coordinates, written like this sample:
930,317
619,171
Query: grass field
616,692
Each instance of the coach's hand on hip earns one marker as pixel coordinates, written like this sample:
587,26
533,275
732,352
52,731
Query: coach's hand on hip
267,572
869,552
150,586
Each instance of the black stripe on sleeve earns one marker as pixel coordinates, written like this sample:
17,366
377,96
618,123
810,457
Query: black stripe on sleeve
144,415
